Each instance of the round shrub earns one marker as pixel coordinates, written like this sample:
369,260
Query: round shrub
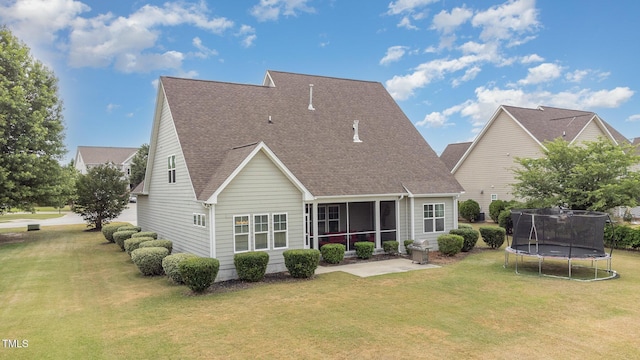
390,247
493,236
408,243
252,265
199,273
470,237
108,230
120,236
333,253
469,210
129,227
449,244
364,249
505,221
464,226
149,260
167,244
150,234
171,266
301,263
495,207
133,243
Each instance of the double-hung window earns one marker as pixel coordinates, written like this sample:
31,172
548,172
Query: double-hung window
171,166
261,232
433,218
199,220
241,233
279,231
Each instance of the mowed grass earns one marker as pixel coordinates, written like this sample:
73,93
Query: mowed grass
73,295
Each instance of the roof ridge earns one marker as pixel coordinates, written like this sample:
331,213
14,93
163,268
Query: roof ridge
322,76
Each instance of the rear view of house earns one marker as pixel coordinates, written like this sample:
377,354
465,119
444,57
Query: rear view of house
296,162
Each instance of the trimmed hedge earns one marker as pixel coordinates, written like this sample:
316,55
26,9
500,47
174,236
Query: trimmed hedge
625,237
493,236
150,234
469,210
129,227
364,249
199,273
470,237
333,253
301,263
390,247
149,260
133,243
120,236
252,265
167,244
449,244
408,243
464,226
109,230
171,266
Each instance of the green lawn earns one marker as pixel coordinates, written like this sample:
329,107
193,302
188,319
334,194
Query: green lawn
28,216
72,295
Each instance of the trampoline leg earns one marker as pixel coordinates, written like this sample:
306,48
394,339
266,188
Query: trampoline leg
569,261
596,274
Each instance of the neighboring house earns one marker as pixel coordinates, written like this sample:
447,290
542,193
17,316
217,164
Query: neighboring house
484,167
286,165
90,156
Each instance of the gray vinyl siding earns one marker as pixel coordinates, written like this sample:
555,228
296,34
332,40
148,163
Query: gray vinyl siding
260,188
418,214
591,132
168,209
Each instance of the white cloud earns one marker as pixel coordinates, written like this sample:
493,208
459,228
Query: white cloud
406,23
506,20
635,117
407,6
270,10
533,58
447,22
577,75
248,34
542,73
394,53
204,52
469,75
111,107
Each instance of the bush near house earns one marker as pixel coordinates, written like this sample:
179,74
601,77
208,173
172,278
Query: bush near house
150,234
109,230
625,237
493,236
199,273
120,236
167,244
464,226
469,210
390,247
364,249
133,243
408,243
449,244
171,266
333,253
129,227
470,237
495,208
149,260
252,265
301,263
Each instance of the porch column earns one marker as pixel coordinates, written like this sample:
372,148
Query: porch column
377,217
455,211
412,217
398,220
212,230
314,221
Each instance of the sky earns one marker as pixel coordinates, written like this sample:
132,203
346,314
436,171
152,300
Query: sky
448,64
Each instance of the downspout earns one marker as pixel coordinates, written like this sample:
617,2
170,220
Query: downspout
413,220
455,211
212,229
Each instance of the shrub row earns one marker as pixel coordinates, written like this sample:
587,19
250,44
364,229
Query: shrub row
469,235
625,237
493,236
450,244
364,249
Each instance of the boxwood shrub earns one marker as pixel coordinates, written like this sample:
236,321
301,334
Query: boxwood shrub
150,234
158,243
449,244
149,260
171,266
252,265
470,237
464,226
364,249
129,227
493,236
199,273
301,263
408,243
390,247
133,243
625,237
333,253
108,230
120,236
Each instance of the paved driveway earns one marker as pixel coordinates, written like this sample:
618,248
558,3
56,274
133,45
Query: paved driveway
128,215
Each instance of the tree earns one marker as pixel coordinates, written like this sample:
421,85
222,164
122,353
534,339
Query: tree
139,166
31,128
65,191
594,175
101,195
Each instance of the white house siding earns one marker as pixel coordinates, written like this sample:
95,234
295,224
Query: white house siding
168,209
450,218
487,169
591,132
260,188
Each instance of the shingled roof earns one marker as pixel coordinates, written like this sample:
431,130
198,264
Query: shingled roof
219,124
95,155
453,153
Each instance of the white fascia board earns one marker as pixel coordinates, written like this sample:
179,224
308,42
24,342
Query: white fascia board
342,198
155,128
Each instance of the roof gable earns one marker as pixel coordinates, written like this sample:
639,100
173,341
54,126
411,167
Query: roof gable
453,153
93,155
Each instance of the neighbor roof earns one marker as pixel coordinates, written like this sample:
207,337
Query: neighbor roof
453,152
93,155
219,123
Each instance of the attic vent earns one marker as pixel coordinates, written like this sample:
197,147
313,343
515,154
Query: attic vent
311,97
356,138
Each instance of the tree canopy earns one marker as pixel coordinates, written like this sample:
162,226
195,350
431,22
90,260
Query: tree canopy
101,195
593,175
31,127
139,165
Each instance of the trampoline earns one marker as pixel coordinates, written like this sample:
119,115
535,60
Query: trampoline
559,234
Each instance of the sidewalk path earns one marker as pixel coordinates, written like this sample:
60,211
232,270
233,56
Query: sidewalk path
374,268
128,215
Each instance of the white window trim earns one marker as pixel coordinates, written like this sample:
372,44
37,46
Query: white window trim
444,217
494,197
254,233
200,220
248,233
327,220
172,175
286,231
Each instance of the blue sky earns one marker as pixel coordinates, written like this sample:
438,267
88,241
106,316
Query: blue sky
449,64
